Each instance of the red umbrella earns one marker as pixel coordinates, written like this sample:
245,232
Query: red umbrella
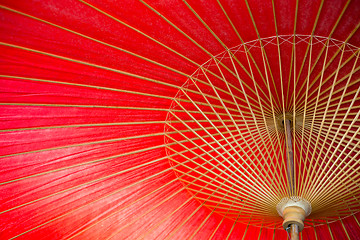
179,119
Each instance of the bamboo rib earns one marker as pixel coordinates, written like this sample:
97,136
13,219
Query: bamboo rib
345,134
332,171
234,101
224,125
330,76
184,156
309,47
260,105
97,9
224,159
305,184
331,160
327,134
147,36
301,160
230,155
257,126
322,172
337,189
345,230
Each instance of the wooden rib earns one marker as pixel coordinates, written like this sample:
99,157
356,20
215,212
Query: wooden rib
194,162
86,205
301,159
257,126
260,106
340,127
202,224
347,174
225,150
251,105
85,125
90,182
245,47
309,43
293,59
225,159
309,177
295,160
246,229
314,166
204,160
89,64
236,125
232,228
336,187
327,134
238,108
318,178
215,230
90,162
311,102
228,209
264,56
92,39
133,220
337,142
330,61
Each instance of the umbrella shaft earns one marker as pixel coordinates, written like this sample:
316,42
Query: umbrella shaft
289,156
294,232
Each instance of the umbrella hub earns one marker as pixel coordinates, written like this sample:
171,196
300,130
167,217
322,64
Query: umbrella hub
294,210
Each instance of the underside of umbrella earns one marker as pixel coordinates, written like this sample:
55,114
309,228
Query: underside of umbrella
180,119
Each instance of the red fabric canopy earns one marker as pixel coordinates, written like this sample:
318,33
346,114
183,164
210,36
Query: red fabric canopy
87,91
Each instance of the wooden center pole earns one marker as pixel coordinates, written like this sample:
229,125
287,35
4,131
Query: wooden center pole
289,157
294,232
294,228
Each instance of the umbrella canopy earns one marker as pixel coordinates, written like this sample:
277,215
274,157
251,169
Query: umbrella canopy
177,119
